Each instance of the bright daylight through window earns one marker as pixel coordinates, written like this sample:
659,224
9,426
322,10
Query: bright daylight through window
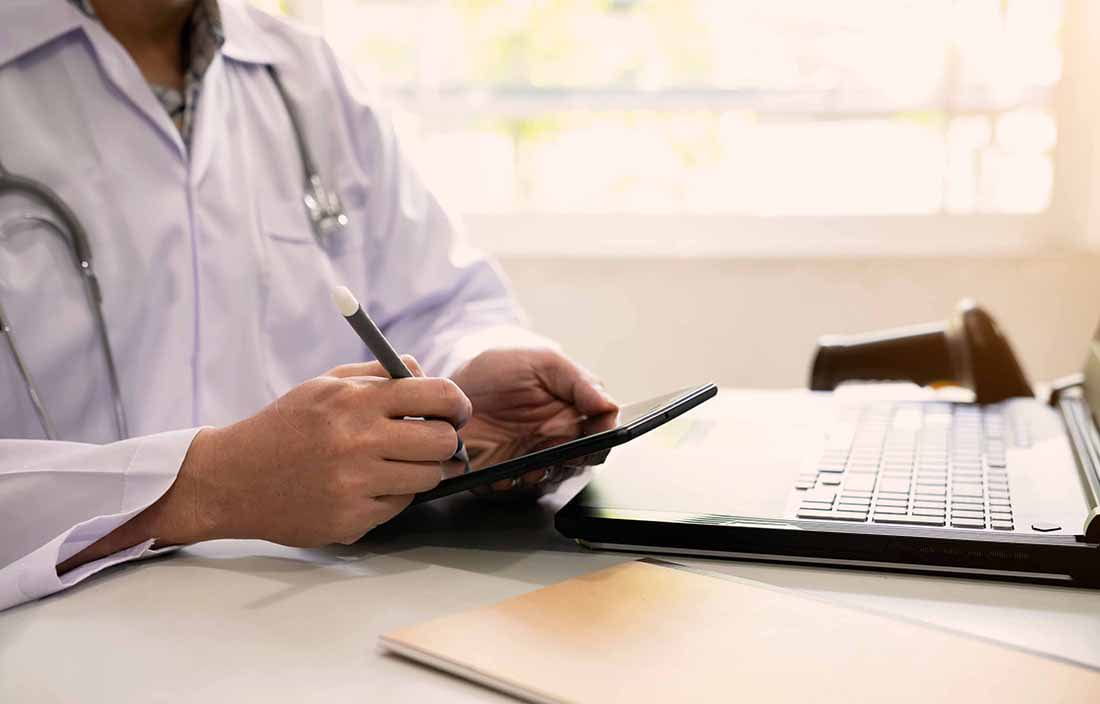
840,109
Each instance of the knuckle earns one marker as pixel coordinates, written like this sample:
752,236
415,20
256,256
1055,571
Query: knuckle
454,397
365,445
360,396
332,391
336,384
362,386
354,369
345,482
374,391
320,386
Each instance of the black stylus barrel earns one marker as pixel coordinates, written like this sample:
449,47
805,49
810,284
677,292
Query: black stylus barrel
382,350
378,345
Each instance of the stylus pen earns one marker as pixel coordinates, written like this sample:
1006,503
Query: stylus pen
379,346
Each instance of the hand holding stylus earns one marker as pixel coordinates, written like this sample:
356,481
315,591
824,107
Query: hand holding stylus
380,347
326,462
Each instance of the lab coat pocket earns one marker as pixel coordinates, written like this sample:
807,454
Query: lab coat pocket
305,334
288,221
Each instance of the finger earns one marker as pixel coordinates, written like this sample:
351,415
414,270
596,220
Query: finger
426,397
563,423
357,369
373,368
569,382
590,398
412,364
418,440
395,478
504,484
536,476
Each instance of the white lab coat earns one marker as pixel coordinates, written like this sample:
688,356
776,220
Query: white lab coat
216,294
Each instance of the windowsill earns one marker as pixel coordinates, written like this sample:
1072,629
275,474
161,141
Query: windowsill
730,236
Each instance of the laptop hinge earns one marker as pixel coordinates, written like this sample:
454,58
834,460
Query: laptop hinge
1070,401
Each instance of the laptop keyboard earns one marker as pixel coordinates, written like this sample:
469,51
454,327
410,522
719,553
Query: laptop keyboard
914,464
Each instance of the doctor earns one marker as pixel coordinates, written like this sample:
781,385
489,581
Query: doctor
246,407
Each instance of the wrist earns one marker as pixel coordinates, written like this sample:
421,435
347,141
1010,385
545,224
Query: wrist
176,518
188,511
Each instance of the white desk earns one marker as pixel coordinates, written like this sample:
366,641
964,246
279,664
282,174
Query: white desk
252,622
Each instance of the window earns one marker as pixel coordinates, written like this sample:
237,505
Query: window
833,111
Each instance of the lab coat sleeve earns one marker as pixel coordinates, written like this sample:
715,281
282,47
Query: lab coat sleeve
456,302
433,294
57,498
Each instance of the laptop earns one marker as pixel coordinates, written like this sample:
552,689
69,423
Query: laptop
864,479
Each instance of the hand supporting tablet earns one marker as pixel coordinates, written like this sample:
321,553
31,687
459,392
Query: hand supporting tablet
584,442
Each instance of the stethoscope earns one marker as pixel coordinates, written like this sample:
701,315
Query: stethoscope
326,216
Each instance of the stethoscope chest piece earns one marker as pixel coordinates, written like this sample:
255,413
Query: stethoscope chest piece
326,212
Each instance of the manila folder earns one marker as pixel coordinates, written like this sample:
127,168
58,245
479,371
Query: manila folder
644,631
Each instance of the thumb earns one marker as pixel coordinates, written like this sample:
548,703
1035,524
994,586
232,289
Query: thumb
570,382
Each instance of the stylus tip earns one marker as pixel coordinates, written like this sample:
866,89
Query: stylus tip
461,455
345,301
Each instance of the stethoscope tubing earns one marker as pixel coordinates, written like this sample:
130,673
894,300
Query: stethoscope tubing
94,297
74,236
28,380
325,210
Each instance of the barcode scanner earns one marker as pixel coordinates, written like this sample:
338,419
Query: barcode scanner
967,350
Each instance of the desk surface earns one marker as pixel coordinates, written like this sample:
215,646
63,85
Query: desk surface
247,621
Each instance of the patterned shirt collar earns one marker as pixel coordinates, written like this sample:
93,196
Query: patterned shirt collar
202,40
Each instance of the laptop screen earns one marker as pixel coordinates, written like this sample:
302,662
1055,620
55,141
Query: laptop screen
1092,376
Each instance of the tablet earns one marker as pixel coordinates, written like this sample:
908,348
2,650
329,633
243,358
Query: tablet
569,442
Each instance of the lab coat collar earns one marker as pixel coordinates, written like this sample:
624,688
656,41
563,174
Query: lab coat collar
25,25
244,34
28,25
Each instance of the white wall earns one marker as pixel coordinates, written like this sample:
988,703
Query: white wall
647,325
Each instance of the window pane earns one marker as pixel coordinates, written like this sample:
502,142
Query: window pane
751,107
